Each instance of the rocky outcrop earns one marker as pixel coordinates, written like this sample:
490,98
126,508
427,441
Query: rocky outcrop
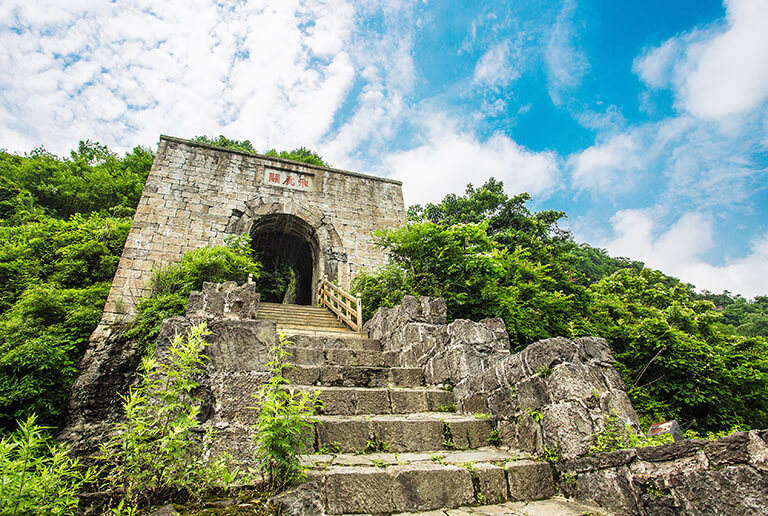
554,395
224,300
727,476
237,354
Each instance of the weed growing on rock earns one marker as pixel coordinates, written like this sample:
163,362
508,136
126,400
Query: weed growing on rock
286,418
36,475
552,454
494,438
618,435
447,407
536,415
159,450
374,444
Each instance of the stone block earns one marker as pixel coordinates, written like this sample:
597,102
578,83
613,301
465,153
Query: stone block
529,480
358,489
425,487
492,482
407,401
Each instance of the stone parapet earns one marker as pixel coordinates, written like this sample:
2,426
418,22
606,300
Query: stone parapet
727,476
555,394
226,300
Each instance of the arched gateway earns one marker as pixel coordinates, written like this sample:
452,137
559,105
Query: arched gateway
317,220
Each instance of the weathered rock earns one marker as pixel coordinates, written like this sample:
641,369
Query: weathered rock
165,510
303,500
104,374
687,477
529,480
224,300
554,394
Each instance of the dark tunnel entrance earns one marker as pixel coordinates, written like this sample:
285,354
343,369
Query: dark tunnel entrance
287,248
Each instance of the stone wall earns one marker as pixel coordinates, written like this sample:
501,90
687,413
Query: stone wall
554,395
723,477
196,195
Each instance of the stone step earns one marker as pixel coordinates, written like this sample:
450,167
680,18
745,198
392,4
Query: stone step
349,340
299,316
319,332
555,506
342,356
400,433
357,401
425,486
355,376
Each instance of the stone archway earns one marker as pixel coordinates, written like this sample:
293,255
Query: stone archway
288,239
303,231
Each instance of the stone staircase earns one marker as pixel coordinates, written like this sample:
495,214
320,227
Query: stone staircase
385,442
301,319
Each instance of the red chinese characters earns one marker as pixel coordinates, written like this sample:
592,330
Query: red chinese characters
295,181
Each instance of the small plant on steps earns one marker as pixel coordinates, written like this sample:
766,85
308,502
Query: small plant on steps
286,418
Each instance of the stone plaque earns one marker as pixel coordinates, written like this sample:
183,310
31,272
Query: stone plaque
288,179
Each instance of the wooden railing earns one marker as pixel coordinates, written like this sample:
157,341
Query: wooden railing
348,309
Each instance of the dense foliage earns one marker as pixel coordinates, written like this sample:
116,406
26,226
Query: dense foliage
62,230
302,154
489,256
37,475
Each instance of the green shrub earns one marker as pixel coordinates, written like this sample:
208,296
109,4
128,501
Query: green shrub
172,284
156,454
618,435
284,422
37,476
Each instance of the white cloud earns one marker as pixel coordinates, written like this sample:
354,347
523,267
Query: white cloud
566,62
498,66
677,250
275,73
608,167
718,72
449,159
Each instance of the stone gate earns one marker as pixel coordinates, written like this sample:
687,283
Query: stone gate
319,220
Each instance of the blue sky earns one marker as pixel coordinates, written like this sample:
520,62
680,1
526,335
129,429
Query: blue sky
647,122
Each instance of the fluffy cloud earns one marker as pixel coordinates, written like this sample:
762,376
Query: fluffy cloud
607,167
275,72
498,66
719,72
449,159
677,250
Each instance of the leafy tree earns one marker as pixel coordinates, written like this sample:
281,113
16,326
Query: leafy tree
299,154
92,178
54,279
489,256
675,361
223,141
